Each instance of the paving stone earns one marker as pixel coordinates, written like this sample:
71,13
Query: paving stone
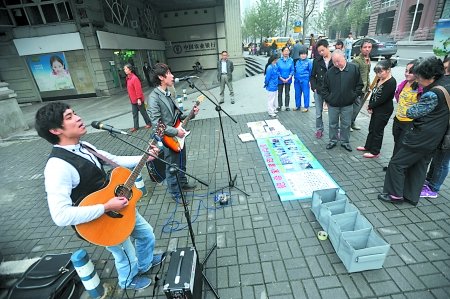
333,293
435,281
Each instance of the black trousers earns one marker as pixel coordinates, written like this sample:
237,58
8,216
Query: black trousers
374,139
287,88
399,129
406,173
141,108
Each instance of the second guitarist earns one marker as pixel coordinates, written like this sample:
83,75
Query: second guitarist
162,107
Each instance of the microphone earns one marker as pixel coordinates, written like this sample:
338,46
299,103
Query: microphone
101,126
185,78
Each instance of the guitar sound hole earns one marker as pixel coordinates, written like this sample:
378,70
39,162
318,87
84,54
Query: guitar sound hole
122,191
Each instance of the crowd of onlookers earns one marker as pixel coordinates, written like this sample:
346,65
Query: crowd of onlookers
343,86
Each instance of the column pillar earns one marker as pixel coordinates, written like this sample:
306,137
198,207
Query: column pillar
233,36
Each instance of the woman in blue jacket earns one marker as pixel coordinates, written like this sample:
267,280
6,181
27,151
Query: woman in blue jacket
271,84
303,68
285,73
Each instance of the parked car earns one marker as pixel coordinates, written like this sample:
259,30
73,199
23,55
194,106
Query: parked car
381,46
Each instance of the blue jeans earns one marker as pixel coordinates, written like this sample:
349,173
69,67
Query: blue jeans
301,87
319,108
171,179
140,259
438,169
348,54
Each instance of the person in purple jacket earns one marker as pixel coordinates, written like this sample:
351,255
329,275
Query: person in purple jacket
285,73
271,84
302,72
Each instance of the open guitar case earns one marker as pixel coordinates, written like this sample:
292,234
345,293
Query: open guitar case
53,276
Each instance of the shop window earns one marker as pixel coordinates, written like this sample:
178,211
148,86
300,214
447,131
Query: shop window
63,10
50,14
34,15
20,17
31,12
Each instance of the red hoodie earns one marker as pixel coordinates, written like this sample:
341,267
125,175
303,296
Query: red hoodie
134,89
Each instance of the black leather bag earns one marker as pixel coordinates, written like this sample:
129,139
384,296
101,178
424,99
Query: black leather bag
53,276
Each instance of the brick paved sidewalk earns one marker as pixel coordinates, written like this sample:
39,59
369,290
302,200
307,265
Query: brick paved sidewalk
266,249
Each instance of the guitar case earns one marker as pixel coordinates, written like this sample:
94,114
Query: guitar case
53,276
157,169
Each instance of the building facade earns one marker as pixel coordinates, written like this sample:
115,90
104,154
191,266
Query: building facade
56,49
395,18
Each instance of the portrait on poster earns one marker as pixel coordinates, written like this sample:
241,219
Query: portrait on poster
50,71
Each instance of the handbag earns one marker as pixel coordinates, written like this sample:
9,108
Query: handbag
445,144
53,276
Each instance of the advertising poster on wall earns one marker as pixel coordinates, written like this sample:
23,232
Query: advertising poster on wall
50,71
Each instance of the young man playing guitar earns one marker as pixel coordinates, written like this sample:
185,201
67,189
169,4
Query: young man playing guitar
72,172
161,107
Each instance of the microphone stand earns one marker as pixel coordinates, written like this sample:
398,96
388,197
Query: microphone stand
231,180
159,159
174,169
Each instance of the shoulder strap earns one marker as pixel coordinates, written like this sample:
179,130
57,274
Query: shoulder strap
100,156
447,96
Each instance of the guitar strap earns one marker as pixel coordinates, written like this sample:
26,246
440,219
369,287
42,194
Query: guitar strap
100,156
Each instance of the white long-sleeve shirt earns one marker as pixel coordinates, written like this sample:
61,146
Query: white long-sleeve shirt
61,177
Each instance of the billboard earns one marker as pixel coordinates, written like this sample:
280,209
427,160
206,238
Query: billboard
50,71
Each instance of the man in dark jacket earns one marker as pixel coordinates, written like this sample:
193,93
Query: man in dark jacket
342,85
319,69
225,70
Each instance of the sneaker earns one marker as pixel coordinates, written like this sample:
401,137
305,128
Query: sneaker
273,115
305,110
221,102
158,259
278,108
139,283
132,130
427,192
288,109
232,102
355,127
296,109
319,134
148,126
361,149
351,129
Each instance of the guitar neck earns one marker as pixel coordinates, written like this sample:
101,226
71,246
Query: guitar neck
137,169
190,116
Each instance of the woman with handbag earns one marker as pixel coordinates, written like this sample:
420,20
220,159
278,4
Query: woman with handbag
407,169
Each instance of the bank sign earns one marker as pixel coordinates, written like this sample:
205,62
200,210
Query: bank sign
193,47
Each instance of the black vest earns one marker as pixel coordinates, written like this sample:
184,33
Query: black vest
92,178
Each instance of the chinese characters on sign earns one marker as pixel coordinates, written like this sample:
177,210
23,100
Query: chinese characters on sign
186,47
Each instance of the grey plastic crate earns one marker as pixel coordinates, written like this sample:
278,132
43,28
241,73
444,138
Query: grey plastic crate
362,250
320,197
333,208
339,223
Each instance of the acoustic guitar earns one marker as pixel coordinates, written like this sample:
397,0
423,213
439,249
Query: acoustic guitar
176,143
113,228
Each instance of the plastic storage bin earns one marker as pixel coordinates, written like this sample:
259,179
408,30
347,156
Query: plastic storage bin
362,250
339,223
333,208
320,197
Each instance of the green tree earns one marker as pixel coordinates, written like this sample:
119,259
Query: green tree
291,13
358,14
324,20
306,9
340,21
262,20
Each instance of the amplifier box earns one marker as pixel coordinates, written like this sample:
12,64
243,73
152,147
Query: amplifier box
184,276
